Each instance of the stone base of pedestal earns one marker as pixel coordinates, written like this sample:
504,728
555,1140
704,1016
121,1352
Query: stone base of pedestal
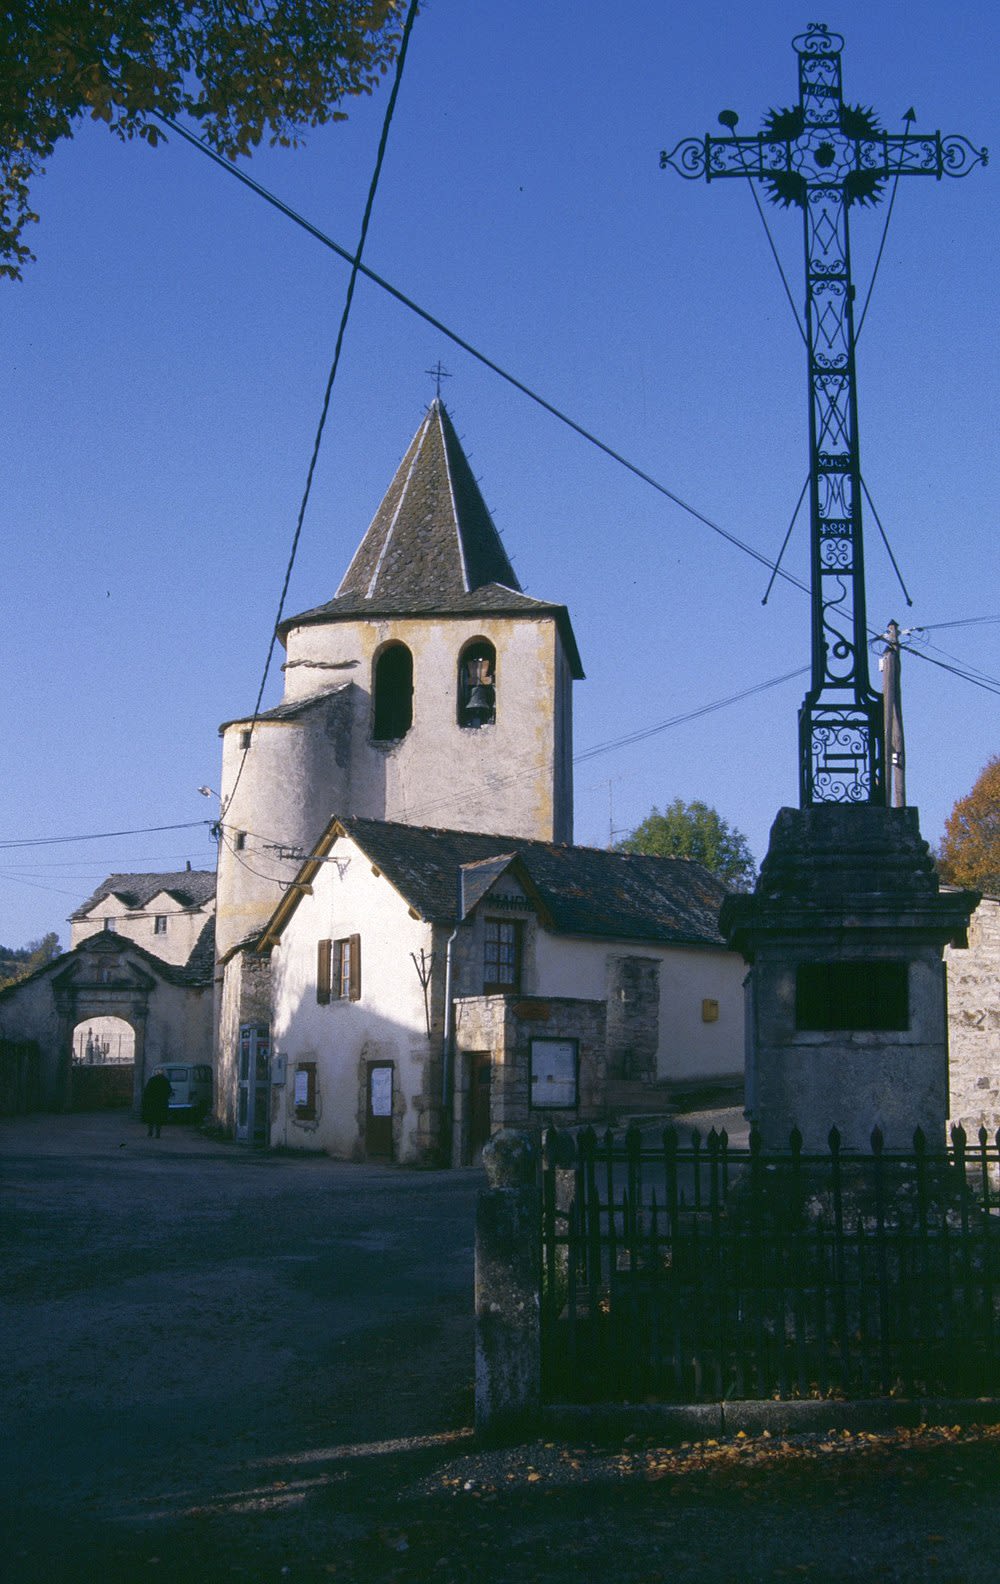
846,997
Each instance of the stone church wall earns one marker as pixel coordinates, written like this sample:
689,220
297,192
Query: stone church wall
974,1022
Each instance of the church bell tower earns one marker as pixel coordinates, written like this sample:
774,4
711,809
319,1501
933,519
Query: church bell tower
430,690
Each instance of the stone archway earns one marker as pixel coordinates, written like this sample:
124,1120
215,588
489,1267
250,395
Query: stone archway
102,1064
103,984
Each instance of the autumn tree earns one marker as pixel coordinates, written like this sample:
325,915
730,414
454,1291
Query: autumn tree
241,71
969,854
17,962
693,830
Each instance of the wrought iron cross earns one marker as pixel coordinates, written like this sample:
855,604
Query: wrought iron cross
824,155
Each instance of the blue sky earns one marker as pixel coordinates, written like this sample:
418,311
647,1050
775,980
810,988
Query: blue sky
165,360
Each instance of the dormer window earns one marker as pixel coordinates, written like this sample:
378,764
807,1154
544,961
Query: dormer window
477,697
393,689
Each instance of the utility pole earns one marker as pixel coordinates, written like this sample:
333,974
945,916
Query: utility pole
892,720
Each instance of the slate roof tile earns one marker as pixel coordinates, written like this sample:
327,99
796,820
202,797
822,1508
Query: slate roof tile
586,890
190,887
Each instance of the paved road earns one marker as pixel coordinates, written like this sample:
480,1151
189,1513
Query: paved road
224,1366
187,1323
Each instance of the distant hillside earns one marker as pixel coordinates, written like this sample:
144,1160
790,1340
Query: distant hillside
17,962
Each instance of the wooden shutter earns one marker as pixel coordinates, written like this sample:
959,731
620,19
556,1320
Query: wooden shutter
323,972
355,967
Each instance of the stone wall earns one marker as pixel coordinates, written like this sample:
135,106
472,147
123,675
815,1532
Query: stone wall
974,1022
506,1026
633,1022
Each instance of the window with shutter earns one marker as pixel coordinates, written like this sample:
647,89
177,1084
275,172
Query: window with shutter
323,954
339,974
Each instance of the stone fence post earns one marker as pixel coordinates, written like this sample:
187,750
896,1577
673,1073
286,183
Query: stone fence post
508,1281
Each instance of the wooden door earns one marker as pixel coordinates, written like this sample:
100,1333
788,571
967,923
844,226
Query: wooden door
378,1109
480,1078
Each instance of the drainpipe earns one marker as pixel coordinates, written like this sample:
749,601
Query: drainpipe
448,1052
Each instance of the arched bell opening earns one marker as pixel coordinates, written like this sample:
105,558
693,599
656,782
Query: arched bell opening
477,693
392,686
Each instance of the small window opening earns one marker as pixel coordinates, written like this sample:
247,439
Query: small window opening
501,956
111,925
240,841
477,696
245,737
852,995
393,694
160,924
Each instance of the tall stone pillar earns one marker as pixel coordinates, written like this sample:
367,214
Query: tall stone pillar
846,994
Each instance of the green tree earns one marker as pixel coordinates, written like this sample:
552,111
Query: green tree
969,854
19,961
241,71
693,830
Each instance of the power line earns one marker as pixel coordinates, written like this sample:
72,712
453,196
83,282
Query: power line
989,684
965,621
141,830
689,715
349,298
480,357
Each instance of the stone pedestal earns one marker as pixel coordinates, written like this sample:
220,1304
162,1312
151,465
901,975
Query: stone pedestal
846,997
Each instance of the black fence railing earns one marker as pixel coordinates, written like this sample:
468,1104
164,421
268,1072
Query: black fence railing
697,1272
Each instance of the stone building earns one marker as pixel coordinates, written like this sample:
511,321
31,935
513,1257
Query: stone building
974,1023
427,706
430,690
133,992
430,986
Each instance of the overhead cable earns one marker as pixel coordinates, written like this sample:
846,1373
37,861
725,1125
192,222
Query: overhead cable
352,282
474,352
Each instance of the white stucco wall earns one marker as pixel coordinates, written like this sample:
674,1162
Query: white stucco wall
386,1024
689,1047
502,777
175,945
514,776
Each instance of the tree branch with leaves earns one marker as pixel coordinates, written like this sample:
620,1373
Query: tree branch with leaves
693,830
241,72
969,854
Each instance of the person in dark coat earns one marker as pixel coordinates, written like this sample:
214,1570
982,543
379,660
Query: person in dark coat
155,1103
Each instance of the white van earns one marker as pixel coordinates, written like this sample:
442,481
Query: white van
190,1087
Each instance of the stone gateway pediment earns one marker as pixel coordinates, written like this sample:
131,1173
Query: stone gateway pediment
106,963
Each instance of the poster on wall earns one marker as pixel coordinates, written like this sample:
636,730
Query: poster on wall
381,1091
553,1074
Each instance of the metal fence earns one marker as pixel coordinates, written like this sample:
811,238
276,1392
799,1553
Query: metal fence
698,1272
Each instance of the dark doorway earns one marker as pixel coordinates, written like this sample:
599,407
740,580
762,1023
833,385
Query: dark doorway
378,1109
480,1076
253,1088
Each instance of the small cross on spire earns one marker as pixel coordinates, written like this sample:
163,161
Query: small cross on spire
438,374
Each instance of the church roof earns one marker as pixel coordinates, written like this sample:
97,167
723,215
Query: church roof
432,548
581,890
432,534
192,888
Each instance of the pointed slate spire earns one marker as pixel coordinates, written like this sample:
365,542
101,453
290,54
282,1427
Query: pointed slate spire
432,537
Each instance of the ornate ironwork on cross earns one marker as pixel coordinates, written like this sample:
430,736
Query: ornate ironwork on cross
824,155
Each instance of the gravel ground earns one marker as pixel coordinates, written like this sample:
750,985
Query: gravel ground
223,1365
